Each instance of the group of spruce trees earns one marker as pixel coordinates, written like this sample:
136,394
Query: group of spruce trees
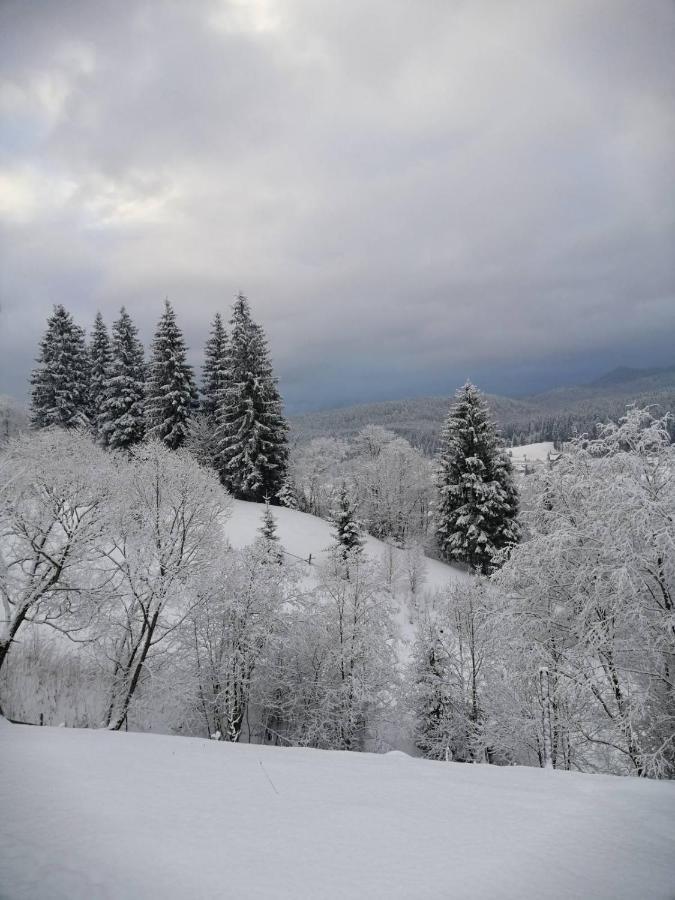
106,385
236,424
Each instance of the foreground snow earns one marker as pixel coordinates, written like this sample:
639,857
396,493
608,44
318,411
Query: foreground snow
89,814
301,535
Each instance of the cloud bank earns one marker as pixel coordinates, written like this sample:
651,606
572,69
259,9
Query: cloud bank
408,193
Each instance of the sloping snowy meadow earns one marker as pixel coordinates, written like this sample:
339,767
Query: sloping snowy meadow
90,814
302,535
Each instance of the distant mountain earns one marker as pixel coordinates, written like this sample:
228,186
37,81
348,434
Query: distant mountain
624,374
551,416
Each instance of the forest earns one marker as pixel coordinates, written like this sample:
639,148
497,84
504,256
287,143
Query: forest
126,605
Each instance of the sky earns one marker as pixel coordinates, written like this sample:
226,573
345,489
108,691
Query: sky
409,193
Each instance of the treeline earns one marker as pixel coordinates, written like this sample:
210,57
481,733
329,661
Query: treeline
125,604
235,424
552,644
122,549
565,427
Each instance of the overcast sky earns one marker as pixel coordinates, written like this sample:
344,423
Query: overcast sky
408,192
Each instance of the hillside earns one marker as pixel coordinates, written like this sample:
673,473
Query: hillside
302,536
538,417
93,814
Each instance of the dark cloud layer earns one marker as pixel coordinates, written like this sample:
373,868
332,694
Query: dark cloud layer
408,192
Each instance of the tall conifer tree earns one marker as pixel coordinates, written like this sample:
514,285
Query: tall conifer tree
214,372
252,444
60,383
122,420
99,371
477,498
171,392
347,527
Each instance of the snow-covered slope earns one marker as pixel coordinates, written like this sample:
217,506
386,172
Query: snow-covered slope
94,814
532,452
301,535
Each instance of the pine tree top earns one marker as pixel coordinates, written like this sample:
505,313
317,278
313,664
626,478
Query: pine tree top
215,369
99,348
126,348
60,382
99,326
171,392
122,417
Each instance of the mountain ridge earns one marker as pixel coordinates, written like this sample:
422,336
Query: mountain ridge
555,414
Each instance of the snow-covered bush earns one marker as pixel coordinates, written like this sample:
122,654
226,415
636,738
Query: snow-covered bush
590,596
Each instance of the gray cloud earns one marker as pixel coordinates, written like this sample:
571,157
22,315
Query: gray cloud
408,193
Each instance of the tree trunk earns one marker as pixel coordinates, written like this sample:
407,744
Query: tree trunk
545,696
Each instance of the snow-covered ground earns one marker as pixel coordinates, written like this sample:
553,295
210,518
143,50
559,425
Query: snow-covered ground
532,452
301,535
94,814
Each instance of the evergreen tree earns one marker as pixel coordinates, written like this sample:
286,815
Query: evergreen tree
121,421
99,371
347,527
477,497
252,432
60,383
171,392
287,495
215,370
268,534
268,529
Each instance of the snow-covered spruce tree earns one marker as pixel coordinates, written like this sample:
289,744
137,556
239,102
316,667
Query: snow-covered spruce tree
252,432
171,393
477,498
287,495
60,383
99,371
269,539
215,369
347,527
121,421
202,442
268,529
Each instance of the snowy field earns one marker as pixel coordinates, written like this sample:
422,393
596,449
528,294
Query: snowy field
301,535
95,814
532,452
